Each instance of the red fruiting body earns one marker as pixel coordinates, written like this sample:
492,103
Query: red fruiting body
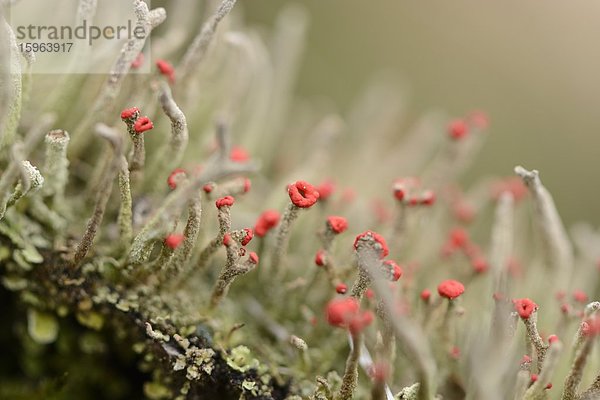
325,189
457,129
565,308
172,179
130,113
549,386
320,258
369,293
400,190
360,322
138,62
395,269
425,295
166,69
209,187
534,377
339,312
402,186
266,221
341,288
239,155
253,257
247,185
427,198
174,240
248,237
525,307
580,296
226,201
458,237
591,327
337,224
370,235
450,289
479,265
227,240
303,194
552,339
143,124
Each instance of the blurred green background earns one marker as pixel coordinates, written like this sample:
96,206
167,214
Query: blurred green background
534,66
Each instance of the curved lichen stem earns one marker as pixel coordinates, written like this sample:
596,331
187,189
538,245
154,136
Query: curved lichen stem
350,378
558,249
10,117
146,20
232,269
86,242
409,334
535,339
576,373
125,217
537,390
196,52
183,253
283,234
224,217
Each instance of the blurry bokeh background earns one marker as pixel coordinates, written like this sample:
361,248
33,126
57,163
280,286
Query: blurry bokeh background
533,66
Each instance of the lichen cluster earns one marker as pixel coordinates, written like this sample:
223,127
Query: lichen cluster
200,233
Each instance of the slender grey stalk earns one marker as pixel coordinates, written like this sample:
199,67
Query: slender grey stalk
538,389
9,119
146,20
87,241
283,236
125,217
558,250
409,334
183,253
576,373
56,167
179,129
197,51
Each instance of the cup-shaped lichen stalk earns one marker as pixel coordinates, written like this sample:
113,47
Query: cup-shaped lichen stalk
224,216
526,309
587,334
180,257
234,243
449,289
346,313
370,249
136,126
302,195
334,226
